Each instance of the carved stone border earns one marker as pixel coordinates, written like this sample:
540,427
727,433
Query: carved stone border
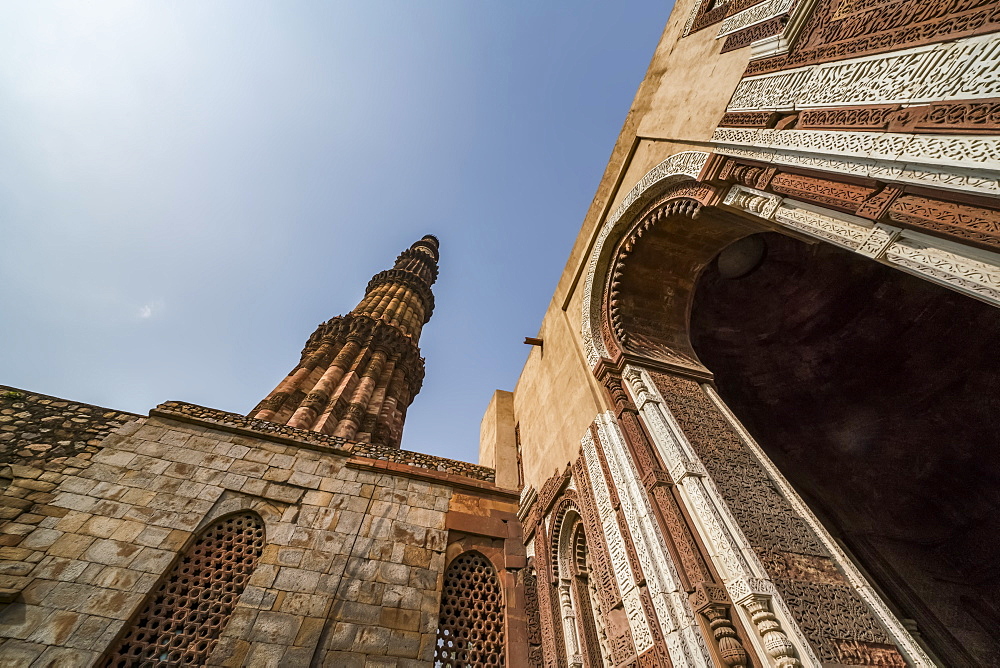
943,177
676,619
753,15
676,168
971,271
744,575
913,652
948,151
627,586
960,69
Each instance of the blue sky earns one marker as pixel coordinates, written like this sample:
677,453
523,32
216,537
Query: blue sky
188,188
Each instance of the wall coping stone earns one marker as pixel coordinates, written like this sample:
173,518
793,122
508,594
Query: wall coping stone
282,433
431,476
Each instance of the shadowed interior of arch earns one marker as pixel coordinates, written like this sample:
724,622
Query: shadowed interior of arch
877,394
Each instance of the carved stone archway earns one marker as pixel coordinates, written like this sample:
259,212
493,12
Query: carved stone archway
637,300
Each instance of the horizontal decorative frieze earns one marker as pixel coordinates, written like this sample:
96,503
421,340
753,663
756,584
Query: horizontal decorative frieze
933,176
924,256
845,231
754,15
955,151
971,271
964,69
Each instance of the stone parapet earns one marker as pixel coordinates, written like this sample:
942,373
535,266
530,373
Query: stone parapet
235,423
37,430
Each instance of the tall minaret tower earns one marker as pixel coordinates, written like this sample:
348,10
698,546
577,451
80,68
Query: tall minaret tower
359,372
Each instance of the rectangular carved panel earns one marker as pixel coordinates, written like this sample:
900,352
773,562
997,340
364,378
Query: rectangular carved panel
827,610
964,223
842,196
839,29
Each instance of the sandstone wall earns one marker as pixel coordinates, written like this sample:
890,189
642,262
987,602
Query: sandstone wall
351,570
678,104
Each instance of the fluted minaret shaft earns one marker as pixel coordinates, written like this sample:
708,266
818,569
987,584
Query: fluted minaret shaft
359,372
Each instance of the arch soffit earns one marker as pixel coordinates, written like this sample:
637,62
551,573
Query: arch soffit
615,317
683,166
564,518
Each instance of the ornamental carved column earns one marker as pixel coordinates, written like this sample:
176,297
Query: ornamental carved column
698,578
359,372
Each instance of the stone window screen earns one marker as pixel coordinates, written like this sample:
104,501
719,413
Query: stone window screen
471,625
184,617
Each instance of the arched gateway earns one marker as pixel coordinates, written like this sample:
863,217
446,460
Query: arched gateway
806,416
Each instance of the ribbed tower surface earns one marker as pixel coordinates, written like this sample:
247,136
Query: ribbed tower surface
359,372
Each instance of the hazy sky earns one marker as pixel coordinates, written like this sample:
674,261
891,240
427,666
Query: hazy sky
188,188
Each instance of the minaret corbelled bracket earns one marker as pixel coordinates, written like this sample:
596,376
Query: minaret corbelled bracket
359,372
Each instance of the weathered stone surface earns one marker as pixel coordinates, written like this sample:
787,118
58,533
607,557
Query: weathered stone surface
66,427
351,556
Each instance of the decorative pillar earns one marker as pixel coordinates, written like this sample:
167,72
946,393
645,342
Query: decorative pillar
359,372
695,575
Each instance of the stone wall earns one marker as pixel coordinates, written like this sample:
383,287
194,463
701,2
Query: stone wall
43,440
38,430
350,574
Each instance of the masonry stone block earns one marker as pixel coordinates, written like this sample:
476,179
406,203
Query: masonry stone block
372,640
21,654
403,643
40,538
343,660
296,579
275,627
18,620
56,628
265,655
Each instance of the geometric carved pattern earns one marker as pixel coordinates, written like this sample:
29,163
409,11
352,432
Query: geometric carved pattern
530,583
838,612
184,617
848,28
929,149
553,647
957,117
968,224
599,561
964,274
470,630
834,613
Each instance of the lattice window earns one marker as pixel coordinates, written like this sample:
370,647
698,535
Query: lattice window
184,617
470,629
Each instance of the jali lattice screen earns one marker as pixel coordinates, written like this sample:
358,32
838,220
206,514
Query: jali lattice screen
470,629
184,617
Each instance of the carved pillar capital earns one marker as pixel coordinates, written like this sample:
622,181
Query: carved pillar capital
776,642
637,385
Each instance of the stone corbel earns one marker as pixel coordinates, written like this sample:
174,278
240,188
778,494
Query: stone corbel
755,202
637,386
879,240
686,468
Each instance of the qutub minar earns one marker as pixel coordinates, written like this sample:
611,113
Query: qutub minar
359,372
757,428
